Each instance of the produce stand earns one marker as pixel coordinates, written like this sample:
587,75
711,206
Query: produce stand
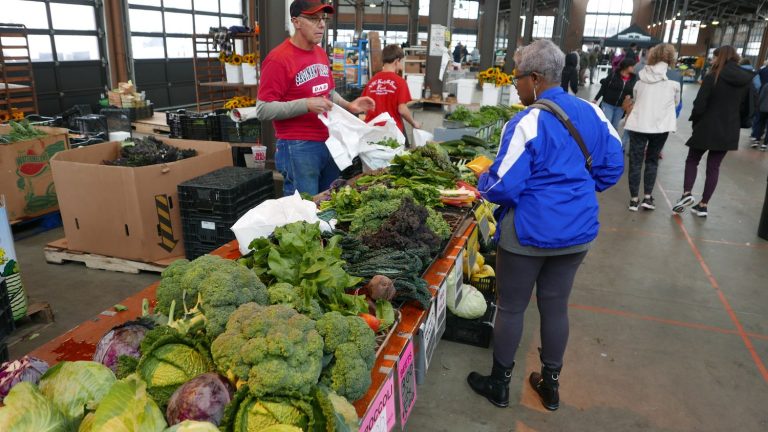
376,409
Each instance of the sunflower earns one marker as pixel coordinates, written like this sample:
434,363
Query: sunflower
236,60
223,57
4,117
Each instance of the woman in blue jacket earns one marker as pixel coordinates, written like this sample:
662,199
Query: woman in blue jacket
548,216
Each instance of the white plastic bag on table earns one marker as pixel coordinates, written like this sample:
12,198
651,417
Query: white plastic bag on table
262,220
421,137
348,136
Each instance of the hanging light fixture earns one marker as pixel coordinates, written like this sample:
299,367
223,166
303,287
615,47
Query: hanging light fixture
715,22
373,5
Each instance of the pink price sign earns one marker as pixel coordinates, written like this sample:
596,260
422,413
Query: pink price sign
381,415
406,383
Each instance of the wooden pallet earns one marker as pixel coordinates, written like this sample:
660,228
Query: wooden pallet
58,252
39,316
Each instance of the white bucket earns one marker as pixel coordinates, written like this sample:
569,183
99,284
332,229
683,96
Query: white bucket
491,94
250,75
514,98
465,88
234,73
415,85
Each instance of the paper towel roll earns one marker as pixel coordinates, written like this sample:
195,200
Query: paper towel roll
242,114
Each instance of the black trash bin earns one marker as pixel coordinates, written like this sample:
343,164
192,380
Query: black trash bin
762,229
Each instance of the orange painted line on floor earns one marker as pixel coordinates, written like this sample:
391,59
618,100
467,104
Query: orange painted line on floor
726,304
651,318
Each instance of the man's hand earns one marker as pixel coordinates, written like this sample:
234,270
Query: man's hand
319,105
361,104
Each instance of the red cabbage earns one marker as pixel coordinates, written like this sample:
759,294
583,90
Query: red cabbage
121,340
202,398
27,368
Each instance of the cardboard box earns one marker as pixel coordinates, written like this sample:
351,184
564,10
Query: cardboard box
25,173
413,68
123,212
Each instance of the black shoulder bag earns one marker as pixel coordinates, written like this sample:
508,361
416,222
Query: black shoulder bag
553,108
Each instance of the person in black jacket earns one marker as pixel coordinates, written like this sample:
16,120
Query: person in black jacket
570,76
614,88
718,111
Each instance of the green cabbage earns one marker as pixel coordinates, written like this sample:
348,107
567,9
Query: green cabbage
126,408
247,414
194,426
26,409
472,304
72,386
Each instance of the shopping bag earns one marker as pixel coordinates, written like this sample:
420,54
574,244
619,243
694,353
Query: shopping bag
262,220
348,137
421,137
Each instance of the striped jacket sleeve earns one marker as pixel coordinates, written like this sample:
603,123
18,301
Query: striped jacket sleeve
507,177
608,167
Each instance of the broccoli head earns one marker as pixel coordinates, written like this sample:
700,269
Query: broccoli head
274,349
221,286
287,294
352,345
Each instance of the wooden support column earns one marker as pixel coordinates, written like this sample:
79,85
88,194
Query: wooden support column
272,18
413,23
116,43
489,15
359,13
440,12
672,18
683,17
530,13
513,33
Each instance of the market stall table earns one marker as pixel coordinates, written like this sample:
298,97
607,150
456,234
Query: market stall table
373,408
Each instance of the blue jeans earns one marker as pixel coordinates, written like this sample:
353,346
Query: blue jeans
306,166
614,114
758,126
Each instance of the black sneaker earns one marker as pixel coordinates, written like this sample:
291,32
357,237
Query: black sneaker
634,205
648,204
754,143
682,203
764,147
699,211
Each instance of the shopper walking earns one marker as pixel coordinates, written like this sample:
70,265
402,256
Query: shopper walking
548,216
649,123
594,58
718,110
761,78
583,67
570,73
296,86
762,118
614,89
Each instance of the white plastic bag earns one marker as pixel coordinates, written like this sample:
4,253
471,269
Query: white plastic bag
421,137
262,220
348,136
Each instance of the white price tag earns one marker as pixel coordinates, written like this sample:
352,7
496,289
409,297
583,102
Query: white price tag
442,300
381,423
208,225
485,229
429,330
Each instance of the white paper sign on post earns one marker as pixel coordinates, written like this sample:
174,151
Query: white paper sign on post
437,40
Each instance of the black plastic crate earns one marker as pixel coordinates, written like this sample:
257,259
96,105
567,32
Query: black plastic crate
202,235
477,332
139,113
195,127
249,131
226,192
173,120
6,313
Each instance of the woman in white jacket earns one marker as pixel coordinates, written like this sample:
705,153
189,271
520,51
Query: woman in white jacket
650,121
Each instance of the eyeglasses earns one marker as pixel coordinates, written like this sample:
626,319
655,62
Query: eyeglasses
517,77
316,19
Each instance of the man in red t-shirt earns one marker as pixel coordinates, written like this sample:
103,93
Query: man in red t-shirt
389,90
295,86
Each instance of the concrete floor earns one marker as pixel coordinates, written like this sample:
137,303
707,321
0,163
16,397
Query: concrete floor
668,324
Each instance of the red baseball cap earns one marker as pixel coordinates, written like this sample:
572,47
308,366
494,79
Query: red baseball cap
309,7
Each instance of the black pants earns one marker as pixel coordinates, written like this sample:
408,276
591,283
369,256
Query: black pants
553,277
643,146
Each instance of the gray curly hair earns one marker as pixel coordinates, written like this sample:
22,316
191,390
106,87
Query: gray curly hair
543,57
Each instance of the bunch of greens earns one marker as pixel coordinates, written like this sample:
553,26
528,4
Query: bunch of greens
295,254
149,151
410,226
387,142
344,201
380,202
461,114
421,167
21,131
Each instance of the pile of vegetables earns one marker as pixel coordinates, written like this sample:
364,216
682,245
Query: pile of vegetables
486,115
149,151
20,131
